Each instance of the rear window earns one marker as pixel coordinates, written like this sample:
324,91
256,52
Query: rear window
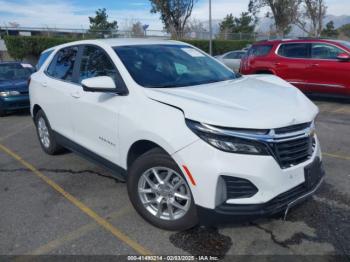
260,50
297,50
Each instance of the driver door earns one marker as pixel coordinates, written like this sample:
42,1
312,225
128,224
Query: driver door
326,73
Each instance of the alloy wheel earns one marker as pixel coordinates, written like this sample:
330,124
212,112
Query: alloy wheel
164,193
43,133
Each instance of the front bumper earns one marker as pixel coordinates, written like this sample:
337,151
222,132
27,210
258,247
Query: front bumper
281,204
11,103
277,188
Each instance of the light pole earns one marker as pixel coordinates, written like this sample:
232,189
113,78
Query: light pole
210,31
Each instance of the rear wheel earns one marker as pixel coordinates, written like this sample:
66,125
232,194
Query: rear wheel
160,193
2,113
45,134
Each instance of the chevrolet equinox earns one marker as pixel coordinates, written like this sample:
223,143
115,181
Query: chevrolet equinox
194,141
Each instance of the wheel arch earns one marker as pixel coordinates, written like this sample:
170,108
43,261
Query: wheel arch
36,109
140,147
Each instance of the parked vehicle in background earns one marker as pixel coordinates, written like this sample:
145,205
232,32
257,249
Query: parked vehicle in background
194,140
14,78
313,65
232,59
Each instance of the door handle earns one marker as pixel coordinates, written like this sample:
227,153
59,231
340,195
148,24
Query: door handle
315,65
277,64
44,84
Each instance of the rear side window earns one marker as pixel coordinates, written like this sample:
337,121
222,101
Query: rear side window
234,55
43,58
95,62
260,50
62,64
297,50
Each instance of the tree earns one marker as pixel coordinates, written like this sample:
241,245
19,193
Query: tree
226,26
284,12
137,29
100,22
330,30
245,23
344,30
174,14
195,29
310,18
195,25
232,25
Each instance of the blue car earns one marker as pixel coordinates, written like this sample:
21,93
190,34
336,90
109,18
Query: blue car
14,78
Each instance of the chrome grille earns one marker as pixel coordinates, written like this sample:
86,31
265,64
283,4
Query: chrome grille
295,146
293,152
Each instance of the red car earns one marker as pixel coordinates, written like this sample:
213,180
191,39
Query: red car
314,66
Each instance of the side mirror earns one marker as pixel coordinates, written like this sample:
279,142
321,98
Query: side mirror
99,84
344,57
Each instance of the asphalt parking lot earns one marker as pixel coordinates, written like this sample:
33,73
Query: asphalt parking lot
66,205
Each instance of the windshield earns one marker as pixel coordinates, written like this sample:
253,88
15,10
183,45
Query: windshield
14,71
158,66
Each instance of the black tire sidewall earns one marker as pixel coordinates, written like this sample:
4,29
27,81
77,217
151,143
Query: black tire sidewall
148,160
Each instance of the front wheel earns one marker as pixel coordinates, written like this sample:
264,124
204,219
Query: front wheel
159,192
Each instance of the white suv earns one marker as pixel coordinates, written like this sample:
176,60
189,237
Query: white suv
195,141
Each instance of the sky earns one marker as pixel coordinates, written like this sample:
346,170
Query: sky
75,13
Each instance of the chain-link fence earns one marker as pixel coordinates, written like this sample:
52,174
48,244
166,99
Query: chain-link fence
88,34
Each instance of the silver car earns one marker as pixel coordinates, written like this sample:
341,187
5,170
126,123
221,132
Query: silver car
232,59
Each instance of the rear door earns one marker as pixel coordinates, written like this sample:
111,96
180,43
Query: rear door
56,87
328,74
257,59
293,59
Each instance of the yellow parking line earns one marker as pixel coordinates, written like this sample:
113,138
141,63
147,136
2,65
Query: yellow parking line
337,156
85,209
76,234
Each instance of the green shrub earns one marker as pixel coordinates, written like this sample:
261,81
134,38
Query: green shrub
219,46
21,46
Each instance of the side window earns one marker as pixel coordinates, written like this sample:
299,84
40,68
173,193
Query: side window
95,62
260,50
62,64
232,55
43,58
324,51
297,50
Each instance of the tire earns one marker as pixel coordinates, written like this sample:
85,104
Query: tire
45,135
176,219
2,113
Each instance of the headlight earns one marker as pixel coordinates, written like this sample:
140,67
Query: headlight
229,143
9,93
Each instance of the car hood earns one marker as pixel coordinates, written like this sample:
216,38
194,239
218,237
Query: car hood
20,85
257,101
